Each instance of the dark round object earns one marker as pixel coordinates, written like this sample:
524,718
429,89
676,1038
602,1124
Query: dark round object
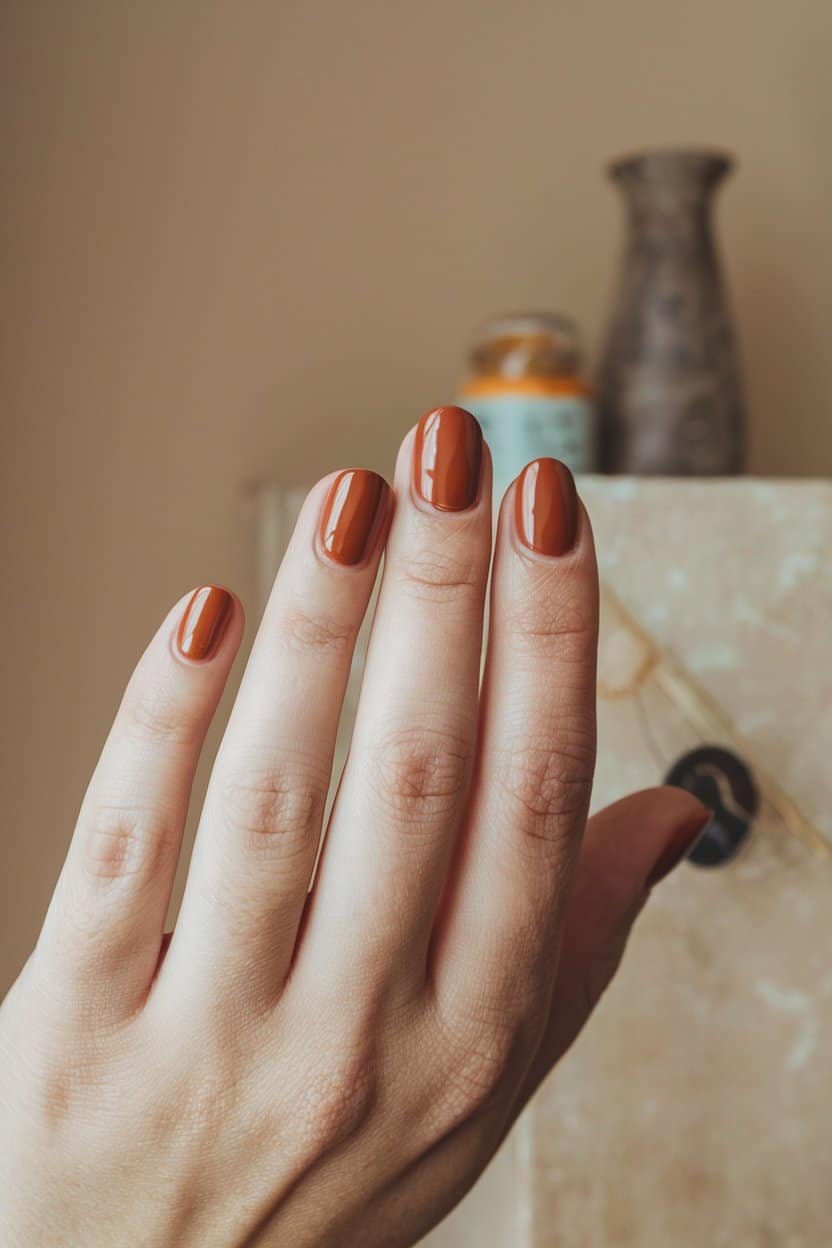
725,784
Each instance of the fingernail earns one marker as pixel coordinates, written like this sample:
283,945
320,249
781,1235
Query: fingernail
546,507
447,459
204,622
679,845
349,515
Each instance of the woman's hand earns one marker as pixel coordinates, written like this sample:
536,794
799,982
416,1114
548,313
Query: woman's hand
333,1067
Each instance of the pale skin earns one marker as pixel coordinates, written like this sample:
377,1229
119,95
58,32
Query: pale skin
330,1061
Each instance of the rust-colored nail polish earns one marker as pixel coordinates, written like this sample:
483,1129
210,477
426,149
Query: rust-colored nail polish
546,507
447,459
204,622
678,847
349,516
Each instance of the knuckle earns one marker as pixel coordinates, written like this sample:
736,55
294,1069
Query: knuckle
126,841
479,1057
474,1083
61,1095
207,1101
155,716
199,1090
275,808
43,1086
340,1101
548,786
421,773
546,625
319,633
440,576
54,1097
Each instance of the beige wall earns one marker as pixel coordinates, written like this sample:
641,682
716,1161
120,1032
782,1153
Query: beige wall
249,239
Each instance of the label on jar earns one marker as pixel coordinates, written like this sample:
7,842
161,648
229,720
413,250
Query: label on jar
526,422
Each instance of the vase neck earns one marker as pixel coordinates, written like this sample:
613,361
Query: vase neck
670,191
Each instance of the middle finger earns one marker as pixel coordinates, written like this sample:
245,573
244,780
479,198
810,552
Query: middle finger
405,784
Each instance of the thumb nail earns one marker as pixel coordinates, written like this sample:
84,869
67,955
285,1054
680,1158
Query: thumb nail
679,845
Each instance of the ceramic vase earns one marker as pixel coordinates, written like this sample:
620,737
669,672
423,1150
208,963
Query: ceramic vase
670,396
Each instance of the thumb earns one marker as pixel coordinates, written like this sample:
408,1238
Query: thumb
628,848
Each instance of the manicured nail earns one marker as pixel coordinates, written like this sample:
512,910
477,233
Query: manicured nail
447,458
679,846
546,507
204,622
349,516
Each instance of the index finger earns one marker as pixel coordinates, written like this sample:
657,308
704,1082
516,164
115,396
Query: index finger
494,947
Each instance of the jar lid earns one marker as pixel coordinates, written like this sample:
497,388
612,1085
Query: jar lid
558,332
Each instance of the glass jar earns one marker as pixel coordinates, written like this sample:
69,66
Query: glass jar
525,388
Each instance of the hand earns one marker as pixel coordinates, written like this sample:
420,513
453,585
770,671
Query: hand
334,1066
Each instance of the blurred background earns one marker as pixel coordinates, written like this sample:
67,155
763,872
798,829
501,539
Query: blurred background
247,241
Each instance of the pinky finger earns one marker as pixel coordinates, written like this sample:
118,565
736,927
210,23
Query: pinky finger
102,936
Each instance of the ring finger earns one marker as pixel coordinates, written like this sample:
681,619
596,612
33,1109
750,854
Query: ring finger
260,826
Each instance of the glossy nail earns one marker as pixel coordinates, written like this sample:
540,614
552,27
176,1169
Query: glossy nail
546,507
204,622
679,846
348,522
447,459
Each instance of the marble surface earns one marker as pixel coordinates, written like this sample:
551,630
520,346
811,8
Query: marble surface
695,1110
735,579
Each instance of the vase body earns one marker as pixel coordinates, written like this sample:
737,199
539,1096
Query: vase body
670,397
